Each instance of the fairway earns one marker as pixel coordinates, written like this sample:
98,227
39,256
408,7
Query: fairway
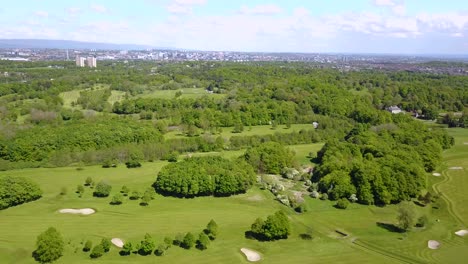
167,216
186,93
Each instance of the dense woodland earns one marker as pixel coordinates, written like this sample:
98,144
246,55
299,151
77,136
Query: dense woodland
379,157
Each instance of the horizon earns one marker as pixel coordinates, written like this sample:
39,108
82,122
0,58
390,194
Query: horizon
379,27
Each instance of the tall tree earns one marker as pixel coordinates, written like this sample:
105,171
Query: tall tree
49,246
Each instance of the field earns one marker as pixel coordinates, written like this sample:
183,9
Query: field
367,241
186,93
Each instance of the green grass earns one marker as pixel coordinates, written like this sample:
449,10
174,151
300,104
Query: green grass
116,96
249,131
186,93
166,216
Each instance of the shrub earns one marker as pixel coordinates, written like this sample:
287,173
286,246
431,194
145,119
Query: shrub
102,189
422,221
88,181
277,226
80,190
301,208
126,249
132,164
160,250
106,244
203,241
178,239
87,246
97,251
135,195
146,246
145,200
117,199
125,190
189,241
211,229
324,196
342,203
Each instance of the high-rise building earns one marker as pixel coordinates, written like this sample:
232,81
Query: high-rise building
80,61
91,62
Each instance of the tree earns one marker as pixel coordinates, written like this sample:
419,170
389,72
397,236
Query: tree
88,181
125,190
49,246
17,190
106,244
275,227
405,216
135,195
87,246
342,203
80,190
117,199
269,157
63,191
97,251
257,226
168,241
178,239
145,199
132,164
422,221
160,250
126,249
189,241
146,246
102,189
203,241
212,229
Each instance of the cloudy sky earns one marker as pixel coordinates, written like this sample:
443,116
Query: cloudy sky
364,26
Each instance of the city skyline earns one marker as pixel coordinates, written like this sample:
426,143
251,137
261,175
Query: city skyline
362,26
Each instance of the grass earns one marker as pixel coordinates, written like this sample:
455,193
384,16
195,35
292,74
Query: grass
186,93
116,96
166,216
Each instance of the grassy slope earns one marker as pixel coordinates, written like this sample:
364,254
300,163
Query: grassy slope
20,225
186,93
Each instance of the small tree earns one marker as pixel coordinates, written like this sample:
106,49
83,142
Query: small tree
203,241
135,195
178,239
257,226
160,250
324,196
125,190
88,181
212,229
63,191
132,164
189,241
117,199
126,249
97,251
106,244
422,221
102,189
49,246
87,246
80,190
168,241
146,246
145,199
342,203
405,216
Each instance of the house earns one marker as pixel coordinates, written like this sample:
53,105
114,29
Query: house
394,109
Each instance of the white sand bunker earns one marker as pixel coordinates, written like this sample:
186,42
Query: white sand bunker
84,211
251,255
436,174
456,168
462,232
433,244
465,143
117,242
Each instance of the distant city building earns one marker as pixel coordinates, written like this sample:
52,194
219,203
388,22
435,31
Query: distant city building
82,61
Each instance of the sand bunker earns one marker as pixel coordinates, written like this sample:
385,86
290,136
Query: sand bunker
251,255
465,143
461,232
456,168
436,174
117,242
84,211
433,244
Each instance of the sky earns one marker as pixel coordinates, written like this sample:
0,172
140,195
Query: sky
342,26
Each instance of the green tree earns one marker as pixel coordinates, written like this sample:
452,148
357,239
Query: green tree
88,181
342,203
49,246
17,190
203,241
269,157
102,189
189,241
146,246
145,199
257,226
117,199
97,251
168,241
80,190
160,250
212,229
125,190
126,249
87,246
135,195
106,244
275,227
405,216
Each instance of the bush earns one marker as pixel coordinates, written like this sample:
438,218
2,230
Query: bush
160,250
203,241
133,164
301,208
211,229
277,226
342,203
88,181
97,251
145,199
102,189
109,164
126,249
80,190
135,195
189,241
87,246
49,246
117,199
106,244
324,196
178,239
17,190
125,190
146,246
422,221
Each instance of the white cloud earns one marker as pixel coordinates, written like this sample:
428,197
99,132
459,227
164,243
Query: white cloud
190,2
41,13
301,12
183,7
74,10
99,8
268,9
384,2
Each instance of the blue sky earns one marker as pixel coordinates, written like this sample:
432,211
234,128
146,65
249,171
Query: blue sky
363,26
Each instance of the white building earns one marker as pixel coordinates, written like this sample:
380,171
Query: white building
394,109
82,61
91,62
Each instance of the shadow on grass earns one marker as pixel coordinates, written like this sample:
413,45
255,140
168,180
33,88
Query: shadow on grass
390,227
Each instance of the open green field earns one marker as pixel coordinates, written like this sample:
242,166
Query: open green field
186,93
166,216
249,131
